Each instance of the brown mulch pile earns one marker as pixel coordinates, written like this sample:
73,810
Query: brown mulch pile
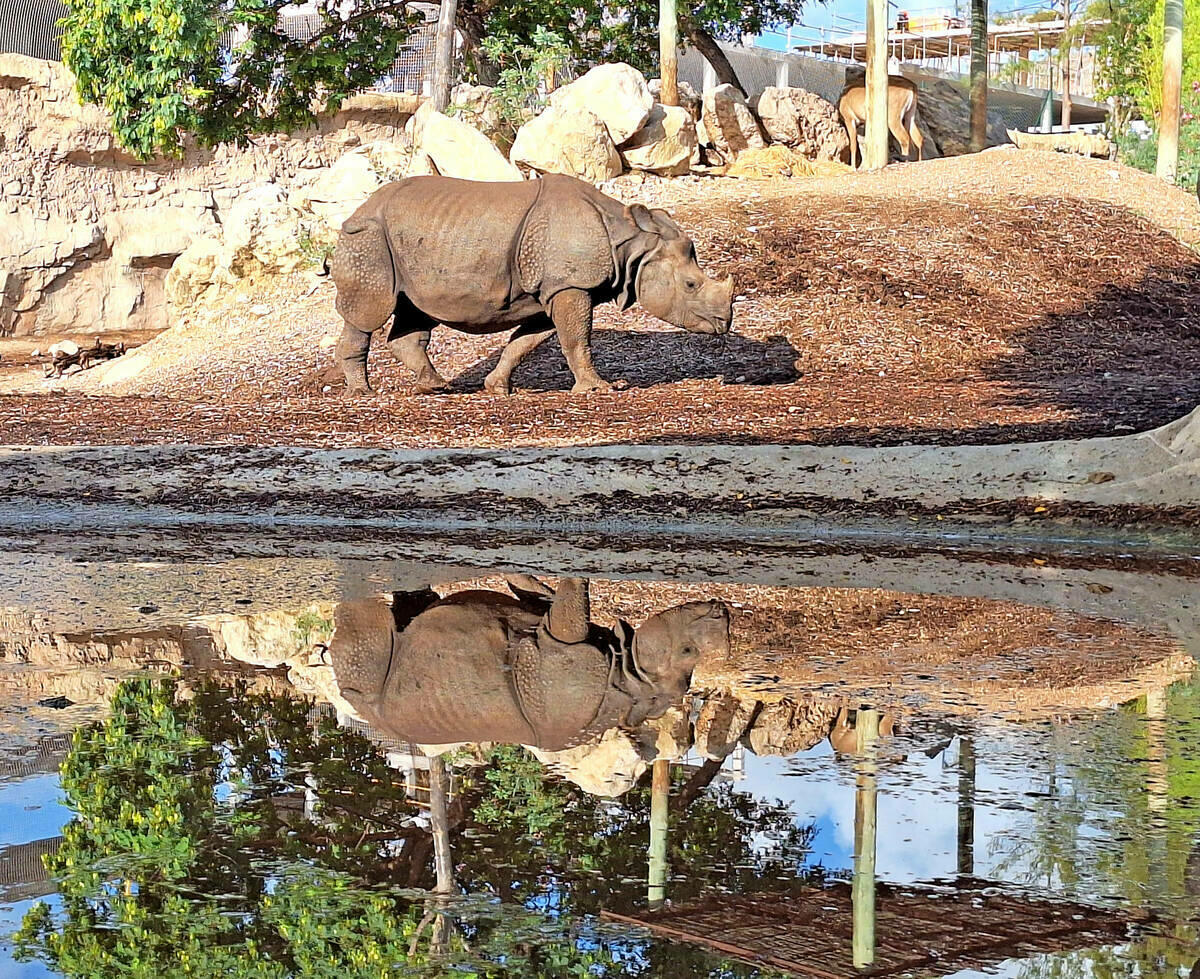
1004,297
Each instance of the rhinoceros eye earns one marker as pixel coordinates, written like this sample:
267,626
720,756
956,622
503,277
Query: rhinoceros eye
691,284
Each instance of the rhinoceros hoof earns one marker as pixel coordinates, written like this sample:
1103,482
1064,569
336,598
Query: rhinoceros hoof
353,394
432,386
497,387
583,387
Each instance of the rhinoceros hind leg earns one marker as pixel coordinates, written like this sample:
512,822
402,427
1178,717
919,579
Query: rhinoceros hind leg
522,342
571,311
569,615
408,340
352,356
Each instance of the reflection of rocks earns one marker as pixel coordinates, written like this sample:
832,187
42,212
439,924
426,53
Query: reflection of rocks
722,722
608,767
788,727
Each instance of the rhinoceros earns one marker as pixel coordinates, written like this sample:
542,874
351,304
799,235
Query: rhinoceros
527,668
537,255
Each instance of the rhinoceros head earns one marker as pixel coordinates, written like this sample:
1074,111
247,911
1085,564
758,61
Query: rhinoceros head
672,286
666,649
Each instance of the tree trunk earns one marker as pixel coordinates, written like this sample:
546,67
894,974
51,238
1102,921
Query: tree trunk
470,23
706,44
443,56
1168,126
1066,67
439,801
979,74
668,44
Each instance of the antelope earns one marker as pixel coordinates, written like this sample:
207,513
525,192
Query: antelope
902,114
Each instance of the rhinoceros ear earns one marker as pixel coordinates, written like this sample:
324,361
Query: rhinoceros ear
654,222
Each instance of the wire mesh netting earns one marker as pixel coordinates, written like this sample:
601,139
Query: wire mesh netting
30,27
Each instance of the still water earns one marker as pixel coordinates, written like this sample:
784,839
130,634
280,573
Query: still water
519,776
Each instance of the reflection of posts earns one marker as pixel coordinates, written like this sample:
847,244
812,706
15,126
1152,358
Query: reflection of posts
863,891
439,798
966,806
660,790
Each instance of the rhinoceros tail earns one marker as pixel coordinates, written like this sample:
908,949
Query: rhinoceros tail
324,267
364,273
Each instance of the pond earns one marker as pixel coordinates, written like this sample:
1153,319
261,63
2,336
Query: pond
500,774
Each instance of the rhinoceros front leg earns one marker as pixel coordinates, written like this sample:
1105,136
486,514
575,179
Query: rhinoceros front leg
571,311
519,346
408,340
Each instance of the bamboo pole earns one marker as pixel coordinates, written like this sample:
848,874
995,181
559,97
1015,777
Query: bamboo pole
1168,126
443,54
875,153
660,792
862,893
668,46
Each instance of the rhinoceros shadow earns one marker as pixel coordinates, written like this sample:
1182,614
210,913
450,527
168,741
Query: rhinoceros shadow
643,359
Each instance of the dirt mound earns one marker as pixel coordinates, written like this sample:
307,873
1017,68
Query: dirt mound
1005,296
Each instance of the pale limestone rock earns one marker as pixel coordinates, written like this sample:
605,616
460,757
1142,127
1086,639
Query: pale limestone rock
573,142
205,263
615,93
729,125
457,149
688,97
338,191
665,144
672,734
262,233
804,121
609,767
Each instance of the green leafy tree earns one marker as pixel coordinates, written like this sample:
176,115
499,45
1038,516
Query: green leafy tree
222,69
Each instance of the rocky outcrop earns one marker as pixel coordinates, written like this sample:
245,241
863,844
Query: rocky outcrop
617,94
803,121
87,233
1085,144
575,142
452,148
944,113
729,125
609,767
721,724
665,144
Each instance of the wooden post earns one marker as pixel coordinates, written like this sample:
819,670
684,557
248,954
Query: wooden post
668,46
862,892
1066,67
966,806
1168,126
875,155
660,794
979,74
443,54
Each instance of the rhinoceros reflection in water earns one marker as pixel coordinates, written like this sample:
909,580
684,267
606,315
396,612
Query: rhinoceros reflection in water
523,668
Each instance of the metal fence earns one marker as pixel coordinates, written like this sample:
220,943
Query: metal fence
30,27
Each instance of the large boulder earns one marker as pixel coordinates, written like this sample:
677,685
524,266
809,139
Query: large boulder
665,144
617,94
575,142
478,106
337,191
689,98
456,149
804,121
263,233
729,124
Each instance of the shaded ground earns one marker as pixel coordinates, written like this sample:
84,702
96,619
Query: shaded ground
1004,297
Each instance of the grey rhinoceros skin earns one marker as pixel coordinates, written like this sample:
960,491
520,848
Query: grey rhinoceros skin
527,668
537,255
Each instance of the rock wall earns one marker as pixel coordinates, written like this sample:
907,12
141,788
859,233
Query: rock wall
87,233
